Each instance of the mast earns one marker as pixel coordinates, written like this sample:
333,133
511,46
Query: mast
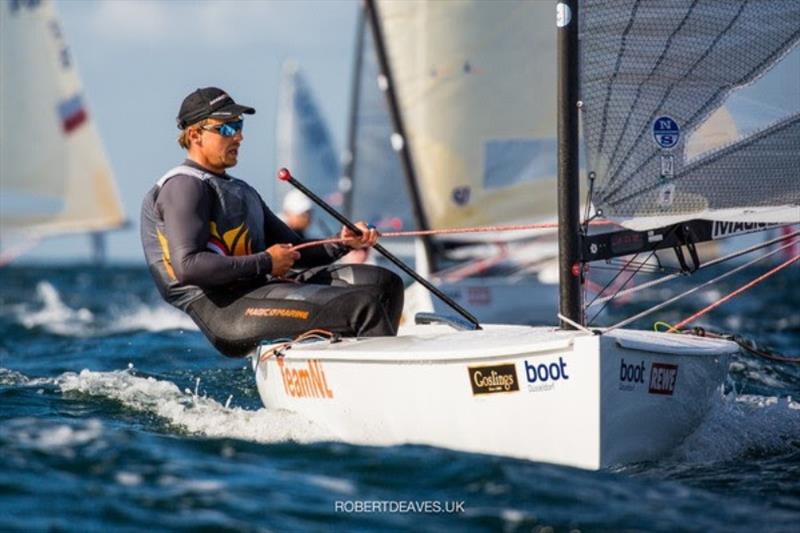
568,179
355,94
98,239
405,151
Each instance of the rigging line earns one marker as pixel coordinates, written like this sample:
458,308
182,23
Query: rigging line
664,99
621,286
737,292
667,235
711,263
745,344
450,231
677,297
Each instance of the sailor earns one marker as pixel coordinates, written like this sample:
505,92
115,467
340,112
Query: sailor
217,252
297,212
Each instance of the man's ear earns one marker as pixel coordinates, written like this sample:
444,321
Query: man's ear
196,136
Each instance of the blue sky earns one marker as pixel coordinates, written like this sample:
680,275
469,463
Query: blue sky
139,58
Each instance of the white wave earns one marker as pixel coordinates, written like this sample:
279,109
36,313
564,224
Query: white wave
194,414
160,317
332,484
738,425
12,377
55,316
53,437
128,479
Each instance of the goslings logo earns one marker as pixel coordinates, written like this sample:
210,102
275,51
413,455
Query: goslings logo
305,382
495,378
663,378
630,375
542,377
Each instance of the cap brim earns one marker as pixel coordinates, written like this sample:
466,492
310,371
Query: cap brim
233,110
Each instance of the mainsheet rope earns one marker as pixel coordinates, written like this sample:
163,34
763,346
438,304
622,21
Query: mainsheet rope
451,231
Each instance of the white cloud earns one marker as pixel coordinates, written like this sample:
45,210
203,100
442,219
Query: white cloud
130,20
221,23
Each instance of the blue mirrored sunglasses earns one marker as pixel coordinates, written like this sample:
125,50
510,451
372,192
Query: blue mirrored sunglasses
227,129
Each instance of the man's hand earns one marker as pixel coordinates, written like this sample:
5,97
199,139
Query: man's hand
368,238
283,257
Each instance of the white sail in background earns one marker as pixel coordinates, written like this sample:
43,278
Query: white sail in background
691,110
54,175
475,81
304,143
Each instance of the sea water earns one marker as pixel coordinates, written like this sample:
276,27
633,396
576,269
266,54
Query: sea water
116,414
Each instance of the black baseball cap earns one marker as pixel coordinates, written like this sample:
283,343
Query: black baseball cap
209,102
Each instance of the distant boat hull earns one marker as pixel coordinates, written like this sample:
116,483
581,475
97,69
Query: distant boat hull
490,299
534,393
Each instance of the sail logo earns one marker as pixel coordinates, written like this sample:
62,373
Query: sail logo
663,378
542,377
72,113
630,375
666,132
461,195
309,381
721,229
492,379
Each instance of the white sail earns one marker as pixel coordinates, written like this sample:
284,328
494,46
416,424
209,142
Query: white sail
54,174
475,81
304,144
691,110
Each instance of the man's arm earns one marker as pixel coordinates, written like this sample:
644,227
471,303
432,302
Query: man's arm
278,232
185,204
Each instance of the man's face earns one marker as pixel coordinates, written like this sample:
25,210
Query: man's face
219,150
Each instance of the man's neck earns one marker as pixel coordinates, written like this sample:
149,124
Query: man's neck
205,165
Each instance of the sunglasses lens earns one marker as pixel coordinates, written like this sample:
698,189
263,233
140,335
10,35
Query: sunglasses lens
229,129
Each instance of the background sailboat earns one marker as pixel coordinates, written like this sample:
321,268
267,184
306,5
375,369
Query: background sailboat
54,175
304,144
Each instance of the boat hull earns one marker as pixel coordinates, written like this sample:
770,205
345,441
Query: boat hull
534,393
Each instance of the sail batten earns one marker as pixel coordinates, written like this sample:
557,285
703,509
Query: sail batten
54,174
669,135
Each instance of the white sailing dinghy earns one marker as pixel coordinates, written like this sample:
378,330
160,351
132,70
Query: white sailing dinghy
461,162
54,175
577,397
